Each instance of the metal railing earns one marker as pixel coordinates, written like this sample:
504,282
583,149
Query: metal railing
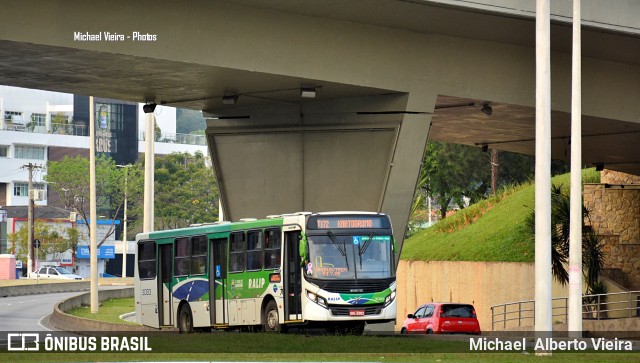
56,128
81,130
596,306
169,138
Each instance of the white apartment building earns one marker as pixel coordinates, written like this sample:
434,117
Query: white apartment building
37,126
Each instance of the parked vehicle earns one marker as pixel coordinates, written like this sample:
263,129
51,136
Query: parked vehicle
54,273
442,318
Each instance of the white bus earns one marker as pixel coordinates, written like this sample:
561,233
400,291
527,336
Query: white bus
332,270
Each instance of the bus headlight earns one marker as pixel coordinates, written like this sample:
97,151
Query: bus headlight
390,298
311,295
317,299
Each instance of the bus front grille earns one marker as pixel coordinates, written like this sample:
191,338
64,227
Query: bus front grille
353,286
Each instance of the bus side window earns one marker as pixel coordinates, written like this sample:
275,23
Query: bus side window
237,252
272,246
254,250
182,256
146,259
198,255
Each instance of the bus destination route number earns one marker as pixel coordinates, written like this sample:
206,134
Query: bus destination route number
344,223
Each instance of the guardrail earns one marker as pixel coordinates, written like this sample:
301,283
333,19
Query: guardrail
595,306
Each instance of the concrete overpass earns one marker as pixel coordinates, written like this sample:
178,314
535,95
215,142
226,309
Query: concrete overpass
388,74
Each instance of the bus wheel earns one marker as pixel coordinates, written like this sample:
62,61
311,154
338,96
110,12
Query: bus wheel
185,320
270,318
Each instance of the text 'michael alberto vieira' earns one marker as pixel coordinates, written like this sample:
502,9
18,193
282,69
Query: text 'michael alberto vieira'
496,344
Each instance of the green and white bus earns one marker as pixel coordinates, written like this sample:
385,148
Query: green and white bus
333,270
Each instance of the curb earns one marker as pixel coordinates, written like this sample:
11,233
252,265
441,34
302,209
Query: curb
21,290
63,321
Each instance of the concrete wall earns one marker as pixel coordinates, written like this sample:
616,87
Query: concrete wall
67,322
43,288
479,283
615,217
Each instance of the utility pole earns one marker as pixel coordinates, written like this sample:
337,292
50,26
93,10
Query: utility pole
30,260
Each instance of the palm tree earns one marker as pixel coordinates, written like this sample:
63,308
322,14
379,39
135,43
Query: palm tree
592,255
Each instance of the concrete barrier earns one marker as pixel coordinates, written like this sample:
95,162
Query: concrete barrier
44,288
63,321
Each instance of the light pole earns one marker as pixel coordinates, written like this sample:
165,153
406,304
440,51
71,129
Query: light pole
124,230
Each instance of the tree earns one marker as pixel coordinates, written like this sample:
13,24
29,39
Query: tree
188,121
69,178
54,240
452,172
185,192
592,255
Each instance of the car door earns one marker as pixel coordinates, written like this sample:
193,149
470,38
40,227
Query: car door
415,325
427,320
52,273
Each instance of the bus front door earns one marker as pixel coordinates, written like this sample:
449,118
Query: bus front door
217,282
292,273
165,300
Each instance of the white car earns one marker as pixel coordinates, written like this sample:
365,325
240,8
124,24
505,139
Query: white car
55,273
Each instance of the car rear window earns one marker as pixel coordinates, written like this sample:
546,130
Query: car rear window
457,311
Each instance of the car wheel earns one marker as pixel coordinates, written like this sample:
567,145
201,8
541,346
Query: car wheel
185,320
403,331
429,331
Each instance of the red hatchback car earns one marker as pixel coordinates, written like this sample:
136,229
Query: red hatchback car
442,318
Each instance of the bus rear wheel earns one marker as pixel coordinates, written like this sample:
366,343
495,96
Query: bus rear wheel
185,320
271,318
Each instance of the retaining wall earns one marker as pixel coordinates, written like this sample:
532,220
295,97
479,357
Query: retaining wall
63,321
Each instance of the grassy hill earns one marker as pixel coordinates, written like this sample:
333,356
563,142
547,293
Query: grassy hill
491,230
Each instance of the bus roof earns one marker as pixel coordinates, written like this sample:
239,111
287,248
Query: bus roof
208,228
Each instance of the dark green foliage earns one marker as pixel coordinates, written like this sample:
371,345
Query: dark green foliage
189,121
185,192
592,255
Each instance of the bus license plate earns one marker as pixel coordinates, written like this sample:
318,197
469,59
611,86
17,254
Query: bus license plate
356,312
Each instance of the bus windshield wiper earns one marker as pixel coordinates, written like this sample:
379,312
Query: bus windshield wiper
362,248
343,250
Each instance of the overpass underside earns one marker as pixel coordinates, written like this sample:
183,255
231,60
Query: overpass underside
388,79
359,154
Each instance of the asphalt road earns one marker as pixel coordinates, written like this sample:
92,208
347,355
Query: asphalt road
29,312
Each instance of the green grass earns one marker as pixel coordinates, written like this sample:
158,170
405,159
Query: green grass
491,230
109,311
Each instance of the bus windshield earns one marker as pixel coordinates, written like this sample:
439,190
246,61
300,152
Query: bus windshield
340,257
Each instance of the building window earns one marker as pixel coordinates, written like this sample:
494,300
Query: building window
29,152
9,114
3,151
22,189
39,119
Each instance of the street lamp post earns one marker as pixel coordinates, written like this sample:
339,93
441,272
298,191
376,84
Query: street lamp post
125,242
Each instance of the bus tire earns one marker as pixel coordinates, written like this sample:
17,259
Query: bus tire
271,318
185,320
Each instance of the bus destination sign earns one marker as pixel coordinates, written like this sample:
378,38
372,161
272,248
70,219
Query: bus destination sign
340,222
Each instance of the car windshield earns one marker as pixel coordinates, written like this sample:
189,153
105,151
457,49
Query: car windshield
62,271
349,256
